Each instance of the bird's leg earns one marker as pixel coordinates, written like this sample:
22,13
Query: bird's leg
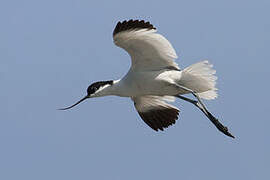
198,103
202,107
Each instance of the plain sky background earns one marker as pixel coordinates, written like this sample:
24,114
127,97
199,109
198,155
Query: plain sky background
50,51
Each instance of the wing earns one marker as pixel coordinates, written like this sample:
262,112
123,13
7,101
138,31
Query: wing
148,50
155,111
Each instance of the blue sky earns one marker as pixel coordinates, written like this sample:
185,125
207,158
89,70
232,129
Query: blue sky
50,51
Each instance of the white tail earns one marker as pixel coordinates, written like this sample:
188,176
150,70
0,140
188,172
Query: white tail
200,78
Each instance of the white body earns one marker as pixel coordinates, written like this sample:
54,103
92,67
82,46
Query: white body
148,83
154,78
161,82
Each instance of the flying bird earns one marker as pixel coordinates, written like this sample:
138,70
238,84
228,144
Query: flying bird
154,79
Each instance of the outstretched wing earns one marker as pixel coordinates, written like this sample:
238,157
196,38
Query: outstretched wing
148,49
155,111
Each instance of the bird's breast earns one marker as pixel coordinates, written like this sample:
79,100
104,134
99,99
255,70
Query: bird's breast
147,83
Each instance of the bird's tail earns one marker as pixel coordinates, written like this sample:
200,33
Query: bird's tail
200,78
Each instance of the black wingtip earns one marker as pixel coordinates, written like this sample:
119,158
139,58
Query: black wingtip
132,24
160,118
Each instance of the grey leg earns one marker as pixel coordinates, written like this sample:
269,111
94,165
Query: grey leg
199,103
202,107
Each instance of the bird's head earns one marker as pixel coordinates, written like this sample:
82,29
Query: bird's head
97,89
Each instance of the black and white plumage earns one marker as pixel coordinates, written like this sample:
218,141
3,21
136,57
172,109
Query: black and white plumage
132,25
155,111
155,79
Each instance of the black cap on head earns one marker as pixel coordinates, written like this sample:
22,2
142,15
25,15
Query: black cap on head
95,86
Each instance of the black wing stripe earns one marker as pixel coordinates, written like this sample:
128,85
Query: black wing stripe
163,117
160,118
148,120
132,24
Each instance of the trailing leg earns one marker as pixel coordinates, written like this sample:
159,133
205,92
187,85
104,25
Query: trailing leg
202,107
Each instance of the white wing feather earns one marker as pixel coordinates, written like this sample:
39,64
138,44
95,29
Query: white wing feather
146,103
155,111
148,50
